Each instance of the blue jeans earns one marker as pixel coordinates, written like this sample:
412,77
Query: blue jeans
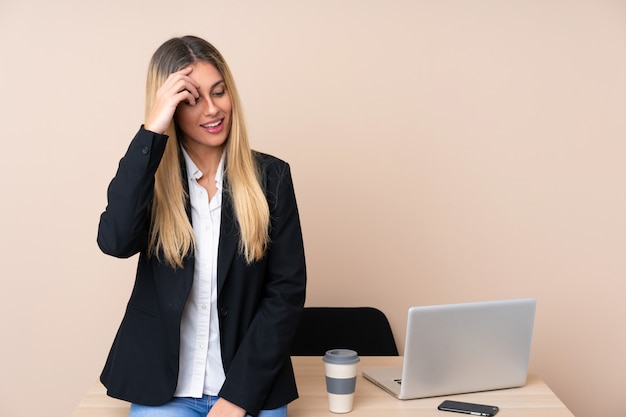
191,407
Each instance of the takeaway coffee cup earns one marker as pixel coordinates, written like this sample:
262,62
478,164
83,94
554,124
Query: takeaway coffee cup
341,366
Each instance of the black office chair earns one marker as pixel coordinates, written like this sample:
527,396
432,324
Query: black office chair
363,329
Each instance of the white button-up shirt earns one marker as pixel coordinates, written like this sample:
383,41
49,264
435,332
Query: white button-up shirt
201,371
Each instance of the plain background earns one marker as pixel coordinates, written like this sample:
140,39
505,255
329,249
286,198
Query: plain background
442,151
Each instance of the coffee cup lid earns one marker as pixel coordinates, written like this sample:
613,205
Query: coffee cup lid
341,356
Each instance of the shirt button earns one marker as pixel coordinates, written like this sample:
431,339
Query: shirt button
204,306
145,150
201,345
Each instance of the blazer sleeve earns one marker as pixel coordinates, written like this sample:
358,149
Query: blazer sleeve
261,365
123,227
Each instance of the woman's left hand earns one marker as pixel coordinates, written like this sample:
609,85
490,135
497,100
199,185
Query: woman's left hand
224,408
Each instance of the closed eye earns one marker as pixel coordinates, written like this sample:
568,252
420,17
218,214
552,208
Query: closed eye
218,93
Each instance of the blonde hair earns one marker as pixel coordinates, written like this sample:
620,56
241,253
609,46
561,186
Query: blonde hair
171,233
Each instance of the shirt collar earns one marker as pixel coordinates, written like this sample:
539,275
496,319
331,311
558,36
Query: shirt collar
193,172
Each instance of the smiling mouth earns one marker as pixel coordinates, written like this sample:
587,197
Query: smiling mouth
212,125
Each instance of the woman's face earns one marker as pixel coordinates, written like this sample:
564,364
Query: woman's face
207,122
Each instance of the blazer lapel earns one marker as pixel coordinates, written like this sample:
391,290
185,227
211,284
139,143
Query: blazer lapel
229,237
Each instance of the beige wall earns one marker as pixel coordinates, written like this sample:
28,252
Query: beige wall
443,151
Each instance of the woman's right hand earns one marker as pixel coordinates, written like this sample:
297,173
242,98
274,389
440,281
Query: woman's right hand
178,87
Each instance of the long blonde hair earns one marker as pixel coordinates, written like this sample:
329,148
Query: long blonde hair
171,233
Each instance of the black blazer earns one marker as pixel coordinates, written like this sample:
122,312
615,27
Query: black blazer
258,304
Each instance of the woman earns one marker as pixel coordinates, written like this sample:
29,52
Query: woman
221,274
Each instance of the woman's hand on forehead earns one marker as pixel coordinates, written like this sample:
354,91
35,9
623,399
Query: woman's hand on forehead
178,87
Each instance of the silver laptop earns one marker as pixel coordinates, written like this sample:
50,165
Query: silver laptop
459,348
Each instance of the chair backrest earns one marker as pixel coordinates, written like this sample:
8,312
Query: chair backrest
363,329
